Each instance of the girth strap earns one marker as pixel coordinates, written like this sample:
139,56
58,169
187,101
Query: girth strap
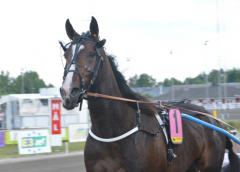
162,125
114,139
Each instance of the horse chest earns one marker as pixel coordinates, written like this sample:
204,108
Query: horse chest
106,165
131,158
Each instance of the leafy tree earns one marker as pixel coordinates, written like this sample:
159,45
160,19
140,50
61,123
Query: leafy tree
233,75
28,82
144,80
132,81
200,79
5,82
176,81
167,82
214,77
159,83
170,82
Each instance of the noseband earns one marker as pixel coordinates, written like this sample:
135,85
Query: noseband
99,59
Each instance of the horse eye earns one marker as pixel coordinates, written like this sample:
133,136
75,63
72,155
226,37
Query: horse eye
64,74
65,56
92,55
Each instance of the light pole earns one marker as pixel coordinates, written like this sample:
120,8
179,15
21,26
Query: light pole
172,81
22,81
206,75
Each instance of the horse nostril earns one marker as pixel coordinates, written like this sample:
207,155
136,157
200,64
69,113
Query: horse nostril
62,92
75,92
67,101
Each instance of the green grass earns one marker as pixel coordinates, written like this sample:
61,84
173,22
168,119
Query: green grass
73,147
11,151
235,124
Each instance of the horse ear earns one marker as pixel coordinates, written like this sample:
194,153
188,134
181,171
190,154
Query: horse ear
94,27
63,47
69,29
101,43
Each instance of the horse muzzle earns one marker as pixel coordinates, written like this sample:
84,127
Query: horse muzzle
72,100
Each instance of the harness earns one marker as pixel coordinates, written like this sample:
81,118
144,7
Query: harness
99,60
84,93
84,90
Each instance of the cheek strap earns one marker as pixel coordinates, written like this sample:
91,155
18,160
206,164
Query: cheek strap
96,67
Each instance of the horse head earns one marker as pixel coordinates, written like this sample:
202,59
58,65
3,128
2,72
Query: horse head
84,56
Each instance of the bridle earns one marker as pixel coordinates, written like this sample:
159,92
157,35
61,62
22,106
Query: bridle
100,53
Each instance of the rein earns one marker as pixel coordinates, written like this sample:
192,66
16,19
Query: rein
167,106
98,95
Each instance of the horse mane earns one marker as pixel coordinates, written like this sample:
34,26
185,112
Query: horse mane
127,92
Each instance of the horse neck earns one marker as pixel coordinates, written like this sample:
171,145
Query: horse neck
109,117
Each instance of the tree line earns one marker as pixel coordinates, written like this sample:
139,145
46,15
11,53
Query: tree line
214,77
27,82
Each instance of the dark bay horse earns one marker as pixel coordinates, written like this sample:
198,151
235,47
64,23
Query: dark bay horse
137,141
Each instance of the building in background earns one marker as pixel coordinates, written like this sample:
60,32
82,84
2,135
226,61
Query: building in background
223,99
31,111
28,111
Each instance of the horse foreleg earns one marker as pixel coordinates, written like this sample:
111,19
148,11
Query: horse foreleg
104,165
193,169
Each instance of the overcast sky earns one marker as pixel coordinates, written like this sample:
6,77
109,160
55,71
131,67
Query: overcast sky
163,38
